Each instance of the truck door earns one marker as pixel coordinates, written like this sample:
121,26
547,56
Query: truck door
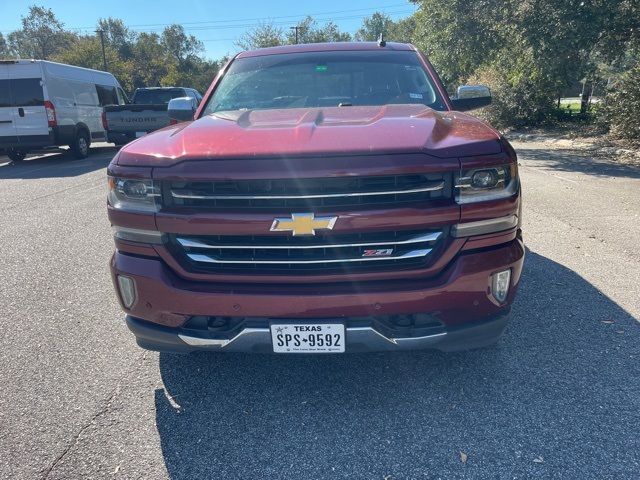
7,127
29,114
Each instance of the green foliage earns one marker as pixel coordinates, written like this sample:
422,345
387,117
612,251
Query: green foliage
4,47
459,36
518,100
310,32
373,26
621,109
403,30
263,36
42,35
528,51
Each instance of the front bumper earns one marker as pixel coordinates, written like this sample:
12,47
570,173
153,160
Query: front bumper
459,297
357,339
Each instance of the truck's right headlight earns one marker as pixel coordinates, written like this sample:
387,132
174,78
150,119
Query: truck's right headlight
487,183
132,194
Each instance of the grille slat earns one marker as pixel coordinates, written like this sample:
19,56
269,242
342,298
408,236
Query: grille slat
319,254
427,237
310,193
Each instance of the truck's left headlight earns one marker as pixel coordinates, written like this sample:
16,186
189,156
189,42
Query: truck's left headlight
133,194
487,183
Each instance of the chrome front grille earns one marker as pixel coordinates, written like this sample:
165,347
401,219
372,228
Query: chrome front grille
320,253
311,193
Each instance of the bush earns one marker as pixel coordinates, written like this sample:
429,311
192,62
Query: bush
621,108
519,99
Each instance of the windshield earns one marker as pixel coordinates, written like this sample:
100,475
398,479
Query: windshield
156,97
325,79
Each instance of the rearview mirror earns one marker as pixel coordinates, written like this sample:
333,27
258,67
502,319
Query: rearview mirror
181,109
469,97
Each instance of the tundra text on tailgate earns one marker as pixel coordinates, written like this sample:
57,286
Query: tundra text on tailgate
146,113
327,198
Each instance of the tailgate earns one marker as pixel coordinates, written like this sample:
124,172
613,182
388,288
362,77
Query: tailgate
136,118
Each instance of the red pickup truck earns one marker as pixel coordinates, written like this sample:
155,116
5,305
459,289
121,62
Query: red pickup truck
323,198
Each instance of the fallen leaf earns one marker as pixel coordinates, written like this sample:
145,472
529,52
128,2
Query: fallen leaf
539,459
463,457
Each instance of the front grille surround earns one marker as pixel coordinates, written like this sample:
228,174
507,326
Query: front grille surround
310,194
324,253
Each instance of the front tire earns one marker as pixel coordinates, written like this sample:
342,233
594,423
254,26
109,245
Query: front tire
80,146
16,155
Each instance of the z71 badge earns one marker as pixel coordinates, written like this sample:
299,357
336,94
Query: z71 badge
378,252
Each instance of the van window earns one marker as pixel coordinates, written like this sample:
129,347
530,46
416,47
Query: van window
27,92
60,92
5,99
107,95
85,94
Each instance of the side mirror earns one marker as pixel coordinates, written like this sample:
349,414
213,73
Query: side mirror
469,97
181,109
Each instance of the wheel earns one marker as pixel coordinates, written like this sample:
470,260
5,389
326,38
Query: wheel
16,155
80,146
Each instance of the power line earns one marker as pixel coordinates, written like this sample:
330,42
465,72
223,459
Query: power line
203,25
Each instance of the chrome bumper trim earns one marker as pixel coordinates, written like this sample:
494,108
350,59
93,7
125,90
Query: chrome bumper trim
373,339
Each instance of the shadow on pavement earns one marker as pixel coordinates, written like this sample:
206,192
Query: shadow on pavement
56,165
557,397
575,160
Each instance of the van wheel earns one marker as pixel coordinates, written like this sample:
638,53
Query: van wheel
80,146
16,155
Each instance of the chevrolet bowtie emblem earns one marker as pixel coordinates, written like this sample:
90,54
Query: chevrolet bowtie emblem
302,223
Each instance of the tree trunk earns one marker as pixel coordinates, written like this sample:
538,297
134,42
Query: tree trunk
584,97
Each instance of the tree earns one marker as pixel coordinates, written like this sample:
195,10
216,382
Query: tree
373,26
310,32
117,36
402,31
150,60
264,35
42,34
179,45
4,47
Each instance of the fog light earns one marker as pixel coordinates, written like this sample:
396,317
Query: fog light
500,285
127,290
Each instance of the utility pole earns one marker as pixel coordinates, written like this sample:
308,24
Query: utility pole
296,28
104,56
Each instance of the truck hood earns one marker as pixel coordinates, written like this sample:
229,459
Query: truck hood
315,132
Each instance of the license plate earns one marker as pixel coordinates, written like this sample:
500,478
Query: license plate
140,134
307,338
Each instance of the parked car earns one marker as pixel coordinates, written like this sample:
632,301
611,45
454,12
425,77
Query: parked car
327,198
46,104
146,113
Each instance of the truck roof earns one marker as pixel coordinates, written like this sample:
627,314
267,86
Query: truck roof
325,47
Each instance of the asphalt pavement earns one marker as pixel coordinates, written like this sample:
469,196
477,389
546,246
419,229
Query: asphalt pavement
556,398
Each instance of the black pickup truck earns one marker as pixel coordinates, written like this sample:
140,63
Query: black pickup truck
146,112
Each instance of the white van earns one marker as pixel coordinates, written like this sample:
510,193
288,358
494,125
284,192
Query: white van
46,104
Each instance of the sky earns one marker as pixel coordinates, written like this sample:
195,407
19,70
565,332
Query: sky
216,24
